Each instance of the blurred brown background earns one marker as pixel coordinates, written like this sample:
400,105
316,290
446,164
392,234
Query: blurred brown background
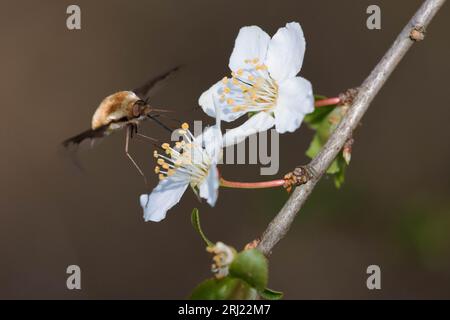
393,211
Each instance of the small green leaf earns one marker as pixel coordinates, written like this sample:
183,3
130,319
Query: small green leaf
316,118
319,97
314,147
339,176
251,266
195,220
227,288
270,294
324,121
333,168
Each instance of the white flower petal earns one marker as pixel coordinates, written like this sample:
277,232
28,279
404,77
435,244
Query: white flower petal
252,42
295,100
206,101
166,194
261,121
209,188
211,140
286,51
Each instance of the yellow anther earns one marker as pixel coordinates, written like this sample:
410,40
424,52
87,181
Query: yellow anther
178,144
247,61
165,166
255,60
240,72
168,151
230,101
165,146
261,67
226,89
155,154
161,176
187,154
236,109
225,80
235,81
243,88
185,126
160,161
170,172
157,169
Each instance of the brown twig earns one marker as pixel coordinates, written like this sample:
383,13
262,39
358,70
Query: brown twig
280,225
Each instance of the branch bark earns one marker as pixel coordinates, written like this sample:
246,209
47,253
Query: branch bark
412,32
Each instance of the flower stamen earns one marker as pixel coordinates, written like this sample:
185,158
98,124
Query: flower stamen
187,160
250,89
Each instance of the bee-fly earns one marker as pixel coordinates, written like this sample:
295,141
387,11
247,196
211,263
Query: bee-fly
124,109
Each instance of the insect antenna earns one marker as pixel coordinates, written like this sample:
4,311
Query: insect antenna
154,118
178,122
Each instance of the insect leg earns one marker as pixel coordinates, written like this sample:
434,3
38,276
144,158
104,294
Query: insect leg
129,132
146,137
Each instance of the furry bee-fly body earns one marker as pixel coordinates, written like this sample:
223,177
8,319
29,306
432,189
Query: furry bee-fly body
123,109
119,109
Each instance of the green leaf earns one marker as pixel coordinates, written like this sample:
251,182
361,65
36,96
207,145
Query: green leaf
339,176
314,146
324,121
316,118
227,288
319,97
195,220
270,294
251,266
313,150
334,168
